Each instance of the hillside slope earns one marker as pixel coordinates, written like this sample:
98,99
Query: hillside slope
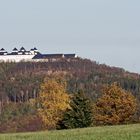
20,82
25,77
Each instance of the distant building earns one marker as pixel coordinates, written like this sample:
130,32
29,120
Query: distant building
3,52
14,51
33,55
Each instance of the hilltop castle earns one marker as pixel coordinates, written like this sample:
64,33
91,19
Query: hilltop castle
32,55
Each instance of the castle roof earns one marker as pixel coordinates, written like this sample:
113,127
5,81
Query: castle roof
2,49
53,55
69,55
49,56
22,49
3,52
43,56
35,49
15,49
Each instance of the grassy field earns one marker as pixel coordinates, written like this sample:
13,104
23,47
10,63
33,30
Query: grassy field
124,132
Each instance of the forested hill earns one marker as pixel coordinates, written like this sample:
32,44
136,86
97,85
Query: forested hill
21,81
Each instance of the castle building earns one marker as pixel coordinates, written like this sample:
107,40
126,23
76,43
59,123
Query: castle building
3,52
33,55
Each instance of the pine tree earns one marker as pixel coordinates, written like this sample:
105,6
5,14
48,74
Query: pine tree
79,115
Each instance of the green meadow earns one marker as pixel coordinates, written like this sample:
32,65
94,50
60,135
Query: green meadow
122,132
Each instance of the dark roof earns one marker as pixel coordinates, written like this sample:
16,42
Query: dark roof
69,55
43,56
22,48
2,49
15,49
52,55
35,49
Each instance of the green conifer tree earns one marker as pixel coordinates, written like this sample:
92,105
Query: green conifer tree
79,115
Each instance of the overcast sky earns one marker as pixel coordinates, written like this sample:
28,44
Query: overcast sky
107,31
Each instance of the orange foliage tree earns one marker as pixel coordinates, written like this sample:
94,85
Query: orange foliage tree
115,106
53,100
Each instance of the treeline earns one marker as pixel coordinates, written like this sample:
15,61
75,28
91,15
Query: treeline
21,81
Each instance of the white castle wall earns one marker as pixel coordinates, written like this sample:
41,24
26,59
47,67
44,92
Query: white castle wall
16,58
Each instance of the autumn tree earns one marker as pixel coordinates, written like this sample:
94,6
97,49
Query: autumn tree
115,106
53,100
79,115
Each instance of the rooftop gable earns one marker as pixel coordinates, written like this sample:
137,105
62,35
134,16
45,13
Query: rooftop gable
15,49
2,50
22,49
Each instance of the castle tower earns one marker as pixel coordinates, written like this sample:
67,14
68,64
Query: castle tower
22,51
34,51
3,52
15,50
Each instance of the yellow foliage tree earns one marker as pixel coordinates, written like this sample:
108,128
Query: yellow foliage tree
116,106
53,101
